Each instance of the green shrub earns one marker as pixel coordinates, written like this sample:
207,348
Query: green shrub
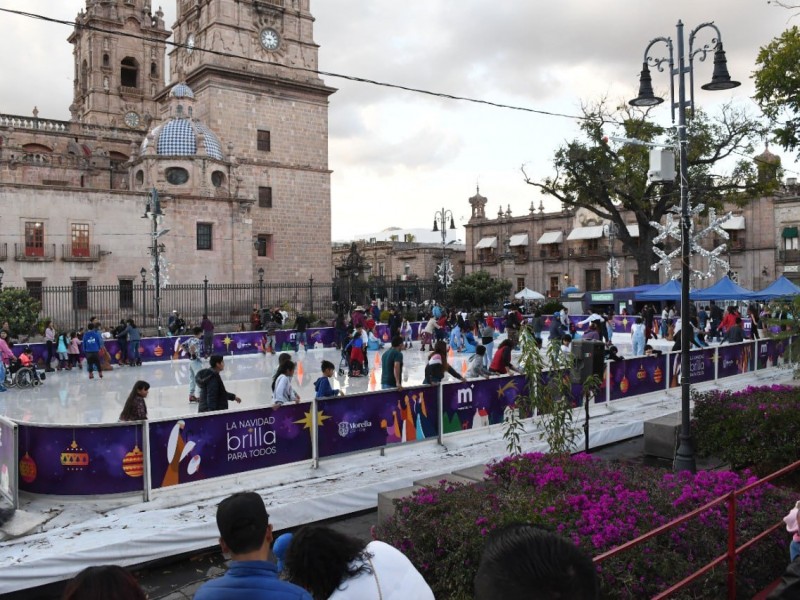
598,505
20,310
757,427
550,307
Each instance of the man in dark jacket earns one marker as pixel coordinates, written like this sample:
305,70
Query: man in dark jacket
213,395
245,534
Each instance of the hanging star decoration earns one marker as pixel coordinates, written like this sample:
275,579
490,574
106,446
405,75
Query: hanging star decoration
612,268
444,272
672,230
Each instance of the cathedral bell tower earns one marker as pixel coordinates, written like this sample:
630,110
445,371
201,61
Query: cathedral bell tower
117,77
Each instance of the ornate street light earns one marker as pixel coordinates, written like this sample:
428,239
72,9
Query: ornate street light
445,270
260,288
721,80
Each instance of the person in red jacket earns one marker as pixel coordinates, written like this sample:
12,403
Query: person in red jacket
501,363
729,320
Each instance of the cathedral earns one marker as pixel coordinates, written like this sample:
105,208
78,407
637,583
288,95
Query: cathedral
222,172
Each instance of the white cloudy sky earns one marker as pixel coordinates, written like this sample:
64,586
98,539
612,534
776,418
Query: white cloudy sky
397,156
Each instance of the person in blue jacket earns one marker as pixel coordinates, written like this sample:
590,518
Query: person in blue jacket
246,535
323,385
92,344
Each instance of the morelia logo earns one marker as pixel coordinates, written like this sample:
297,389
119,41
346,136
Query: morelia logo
346,427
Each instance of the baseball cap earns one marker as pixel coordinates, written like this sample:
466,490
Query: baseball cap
242,521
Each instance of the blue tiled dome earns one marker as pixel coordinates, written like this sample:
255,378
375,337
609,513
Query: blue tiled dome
178,137
181,90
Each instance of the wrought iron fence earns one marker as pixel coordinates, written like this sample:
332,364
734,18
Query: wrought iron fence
228,305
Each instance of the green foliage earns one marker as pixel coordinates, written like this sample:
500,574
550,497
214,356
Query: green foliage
478,290
598,506
20,310
550,307
777,79
757,427
609,180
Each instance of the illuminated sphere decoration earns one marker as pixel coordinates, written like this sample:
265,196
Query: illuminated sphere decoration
27,469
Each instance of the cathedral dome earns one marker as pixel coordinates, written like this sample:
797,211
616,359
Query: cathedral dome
181,137
181,90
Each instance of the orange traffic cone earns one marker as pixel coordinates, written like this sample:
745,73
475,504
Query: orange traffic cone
450,353
464,368
300,373
372,381
377,360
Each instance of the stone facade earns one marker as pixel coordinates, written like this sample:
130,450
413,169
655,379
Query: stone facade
509,246
236,149
401,261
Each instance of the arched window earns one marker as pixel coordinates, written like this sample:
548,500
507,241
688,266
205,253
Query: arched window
129,72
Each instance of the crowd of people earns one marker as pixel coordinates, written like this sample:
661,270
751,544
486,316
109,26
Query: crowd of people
315,562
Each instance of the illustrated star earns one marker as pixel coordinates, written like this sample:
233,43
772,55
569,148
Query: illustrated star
307,422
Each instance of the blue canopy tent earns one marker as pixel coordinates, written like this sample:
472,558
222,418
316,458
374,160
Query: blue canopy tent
724,289
780,288
670,291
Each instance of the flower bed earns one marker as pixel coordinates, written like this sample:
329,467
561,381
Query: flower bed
599,505
757,427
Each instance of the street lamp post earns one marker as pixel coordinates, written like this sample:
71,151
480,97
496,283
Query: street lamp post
720,80
143,274
445,270
205,294
260,288
1,278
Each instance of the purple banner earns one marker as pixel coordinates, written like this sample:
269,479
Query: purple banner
217,444
634,376
352,423
81,461
480,402
734,359
701,366
8,461
770,353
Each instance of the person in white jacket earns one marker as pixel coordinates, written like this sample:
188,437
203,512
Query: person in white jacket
334,566
282,391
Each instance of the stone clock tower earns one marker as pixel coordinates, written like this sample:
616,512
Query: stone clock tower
251,66
117,77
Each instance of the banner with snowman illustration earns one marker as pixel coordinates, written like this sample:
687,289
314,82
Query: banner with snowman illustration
8,461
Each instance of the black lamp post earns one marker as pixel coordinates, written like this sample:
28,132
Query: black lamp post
1,278
441,217
721,80
261,287
143,274
205,294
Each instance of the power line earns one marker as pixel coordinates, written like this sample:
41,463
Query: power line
300,69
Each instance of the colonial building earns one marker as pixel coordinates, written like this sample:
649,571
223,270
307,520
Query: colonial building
549,252
235,144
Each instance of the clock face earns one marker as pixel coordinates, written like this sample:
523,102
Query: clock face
190,43
131,119
270,39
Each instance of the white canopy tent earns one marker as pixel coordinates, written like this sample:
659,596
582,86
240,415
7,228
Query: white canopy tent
528,294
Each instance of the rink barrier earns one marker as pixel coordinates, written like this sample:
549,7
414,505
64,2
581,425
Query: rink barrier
147,457
9,461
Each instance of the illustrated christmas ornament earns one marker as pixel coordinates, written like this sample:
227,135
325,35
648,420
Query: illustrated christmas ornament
133,463
658,375
27,469
74,458
641,374
624,385
158,351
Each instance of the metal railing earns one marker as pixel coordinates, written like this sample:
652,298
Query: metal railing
25,253
732,550
227,305
80,253
3,251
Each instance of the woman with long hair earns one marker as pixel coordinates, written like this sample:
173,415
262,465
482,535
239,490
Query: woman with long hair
335,566
135,408
106,582
501,363
437,365
282,391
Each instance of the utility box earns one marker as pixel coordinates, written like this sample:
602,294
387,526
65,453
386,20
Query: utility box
662,165
590,358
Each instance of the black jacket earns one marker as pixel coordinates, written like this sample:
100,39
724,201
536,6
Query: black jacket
213,395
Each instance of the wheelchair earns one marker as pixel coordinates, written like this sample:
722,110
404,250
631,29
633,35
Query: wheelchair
23,377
